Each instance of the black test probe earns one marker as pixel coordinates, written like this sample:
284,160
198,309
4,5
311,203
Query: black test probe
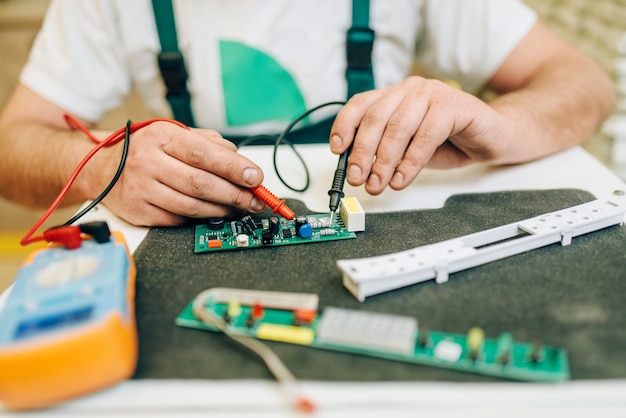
336,190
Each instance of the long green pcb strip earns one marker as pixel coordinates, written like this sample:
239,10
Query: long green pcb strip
391,337
249,232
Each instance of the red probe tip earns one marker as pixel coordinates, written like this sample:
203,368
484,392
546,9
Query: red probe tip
284,211
277,205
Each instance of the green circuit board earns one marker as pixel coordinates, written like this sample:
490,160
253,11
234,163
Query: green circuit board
250,232
501,357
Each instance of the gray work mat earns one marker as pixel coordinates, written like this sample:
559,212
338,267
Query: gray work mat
571,296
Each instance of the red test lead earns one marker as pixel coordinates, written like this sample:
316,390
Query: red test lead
67,235
277,205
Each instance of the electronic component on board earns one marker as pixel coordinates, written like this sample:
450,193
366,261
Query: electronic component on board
249,225
537,353
215,224
305,231
505,346
300,222
304,316
234,308
215,243
274,225
352,214
243,241
318,223
367,330
234,229
424,339
285,333
475,341
256,313
267,237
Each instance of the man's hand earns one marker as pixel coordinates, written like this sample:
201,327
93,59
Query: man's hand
420,122
172,173
551,97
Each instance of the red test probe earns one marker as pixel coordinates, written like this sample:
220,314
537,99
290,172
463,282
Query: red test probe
277,205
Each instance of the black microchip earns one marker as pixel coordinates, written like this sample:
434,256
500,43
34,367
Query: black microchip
274,225
287,233
267,237
249,224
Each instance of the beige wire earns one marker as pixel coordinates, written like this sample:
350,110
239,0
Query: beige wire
275,365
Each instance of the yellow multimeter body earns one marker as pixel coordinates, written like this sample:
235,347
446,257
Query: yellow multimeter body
68,327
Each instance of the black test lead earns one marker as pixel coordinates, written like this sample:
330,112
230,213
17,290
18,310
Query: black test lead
336,190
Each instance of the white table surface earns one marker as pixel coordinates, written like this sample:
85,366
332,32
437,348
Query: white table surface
574,168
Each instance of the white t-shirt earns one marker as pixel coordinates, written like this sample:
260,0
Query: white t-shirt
254,65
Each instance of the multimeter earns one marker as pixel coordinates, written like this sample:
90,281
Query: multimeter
68,326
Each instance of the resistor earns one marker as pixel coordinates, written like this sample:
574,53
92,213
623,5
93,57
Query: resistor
327,232
318,223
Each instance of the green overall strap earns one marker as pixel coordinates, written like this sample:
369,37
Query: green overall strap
359,44
172,63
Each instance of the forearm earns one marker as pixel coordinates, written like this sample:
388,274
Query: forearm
37,161
560,107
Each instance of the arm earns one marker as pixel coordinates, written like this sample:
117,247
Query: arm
551,97
559,95
171,173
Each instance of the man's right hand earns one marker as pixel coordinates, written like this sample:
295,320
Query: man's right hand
171,173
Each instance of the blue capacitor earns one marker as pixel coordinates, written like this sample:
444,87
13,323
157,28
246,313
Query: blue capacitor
305,231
